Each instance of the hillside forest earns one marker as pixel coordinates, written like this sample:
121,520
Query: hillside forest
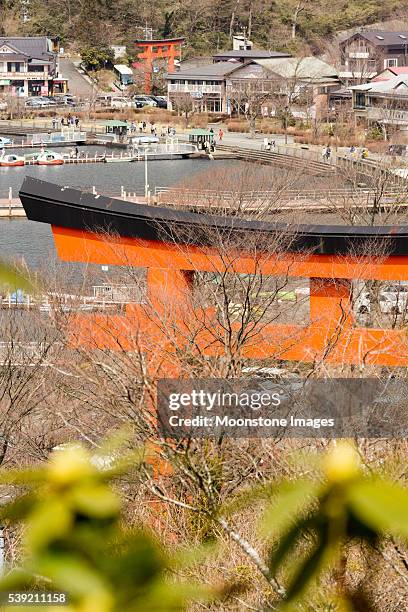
298,26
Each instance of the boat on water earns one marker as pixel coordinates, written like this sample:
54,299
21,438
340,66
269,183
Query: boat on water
12,160
70,208
49,158
143,140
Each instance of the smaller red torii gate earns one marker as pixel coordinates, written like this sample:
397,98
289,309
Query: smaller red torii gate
151,50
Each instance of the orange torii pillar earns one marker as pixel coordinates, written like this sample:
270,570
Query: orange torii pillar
331,334
168,49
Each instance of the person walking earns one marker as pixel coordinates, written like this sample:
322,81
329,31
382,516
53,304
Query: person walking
220,134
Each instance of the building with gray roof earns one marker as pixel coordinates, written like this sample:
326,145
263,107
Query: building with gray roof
368,52
222,87
28,66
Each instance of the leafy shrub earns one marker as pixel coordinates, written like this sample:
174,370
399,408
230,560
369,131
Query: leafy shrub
75,541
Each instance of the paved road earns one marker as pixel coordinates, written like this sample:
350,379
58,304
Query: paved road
78,84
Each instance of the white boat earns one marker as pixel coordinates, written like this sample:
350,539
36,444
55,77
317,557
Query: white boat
143,140
49,158
12,160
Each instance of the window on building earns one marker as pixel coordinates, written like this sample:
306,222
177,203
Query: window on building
14,67
391,62
214,106
360,100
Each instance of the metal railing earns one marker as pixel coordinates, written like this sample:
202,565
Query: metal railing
29,74
163,194
303,152
188,88
115,296
386,115
55,137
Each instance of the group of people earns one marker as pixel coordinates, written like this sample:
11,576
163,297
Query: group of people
70,121
142,128
354,153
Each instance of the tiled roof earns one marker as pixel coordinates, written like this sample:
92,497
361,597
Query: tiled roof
215,71
303,68
32,46
251,54
382,38
389,86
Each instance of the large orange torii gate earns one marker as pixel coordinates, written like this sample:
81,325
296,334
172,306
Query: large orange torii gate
172,244
331,335
151,50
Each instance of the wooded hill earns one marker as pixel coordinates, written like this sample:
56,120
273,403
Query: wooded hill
292,25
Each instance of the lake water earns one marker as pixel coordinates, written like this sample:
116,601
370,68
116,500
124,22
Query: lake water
20,238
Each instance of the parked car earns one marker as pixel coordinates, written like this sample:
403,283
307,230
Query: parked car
161,101
140,103
148,101
390,302
33,103
39,102
69,100
120,103
104,100
398,149
51,100
5,141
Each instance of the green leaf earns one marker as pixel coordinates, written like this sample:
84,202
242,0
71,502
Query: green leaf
9,277
290,499
18,508
51,519
72,574
287,542
311,566
381,505
95,500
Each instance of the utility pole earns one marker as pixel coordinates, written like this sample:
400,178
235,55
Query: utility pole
148,32
245,38
145,169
